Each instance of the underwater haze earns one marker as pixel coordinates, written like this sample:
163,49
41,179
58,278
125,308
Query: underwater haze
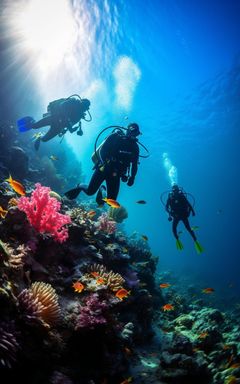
172,66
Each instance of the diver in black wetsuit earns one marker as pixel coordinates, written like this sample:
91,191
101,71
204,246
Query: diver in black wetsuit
62,116
179,209
117,160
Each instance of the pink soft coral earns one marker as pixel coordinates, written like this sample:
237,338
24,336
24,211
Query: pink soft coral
42,213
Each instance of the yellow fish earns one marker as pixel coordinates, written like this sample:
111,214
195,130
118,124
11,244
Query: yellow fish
113,203
3,212
36,135
52,157
16,186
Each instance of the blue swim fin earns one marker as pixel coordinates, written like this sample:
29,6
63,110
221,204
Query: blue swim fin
25,123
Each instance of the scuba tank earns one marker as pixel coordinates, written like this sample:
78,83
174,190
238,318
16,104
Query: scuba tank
96,156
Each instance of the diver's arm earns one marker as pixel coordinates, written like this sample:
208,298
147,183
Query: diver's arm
134,167
168,205
190,207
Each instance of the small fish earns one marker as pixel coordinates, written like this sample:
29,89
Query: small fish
203,335
36,136
208,290
141,202
78,286
234,366
53,158
219,211
122,293
144,237
100,281
112,203
195,228
168,307
125,250
165,285
16,186
92,213
3,212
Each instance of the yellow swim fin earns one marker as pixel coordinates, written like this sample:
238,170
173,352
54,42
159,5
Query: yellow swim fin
198,247
179,245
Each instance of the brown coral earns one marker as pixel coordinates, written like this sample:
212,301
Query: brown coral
113,280
41,301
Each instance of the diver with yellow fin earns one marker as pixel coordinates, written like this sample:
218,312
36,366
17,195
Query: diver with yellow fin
179,209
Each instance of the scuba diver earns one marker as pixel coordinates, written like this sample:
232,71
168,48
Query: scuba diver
62,116
179,209
115,159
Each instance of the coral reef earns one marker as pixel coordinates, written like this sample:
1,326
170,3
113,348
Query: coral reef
42,213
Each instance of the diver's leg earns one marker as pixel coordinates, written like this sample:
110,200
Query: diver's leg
113,185
95,182
174,227
97,178
50,134
187,225
42,123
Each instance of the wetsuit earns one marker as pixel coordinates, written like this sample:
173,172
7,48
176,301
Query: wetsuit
119,155
179,209
62,115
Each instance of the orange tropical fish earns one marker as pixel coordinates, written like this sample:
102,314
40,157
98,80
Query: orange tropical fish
95,274
208,290
16,186
112,203
3,212
165,285
78,286
91,213
203,335
144,237
168,307
122,293
100,281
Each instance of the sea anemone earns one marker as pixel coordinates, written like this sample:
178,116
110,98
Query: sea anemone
41,301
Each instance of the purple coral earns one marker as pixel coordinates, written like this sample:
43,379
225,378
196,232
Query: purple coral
105,224
93,313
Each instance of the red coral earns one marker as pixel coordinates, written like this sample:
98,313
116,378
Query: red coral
42,213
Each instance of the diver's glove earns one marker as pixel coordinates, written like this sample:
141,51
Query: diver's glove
130,181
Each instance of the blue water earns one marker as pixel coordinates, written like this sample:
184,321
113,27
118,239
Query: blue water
173,67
